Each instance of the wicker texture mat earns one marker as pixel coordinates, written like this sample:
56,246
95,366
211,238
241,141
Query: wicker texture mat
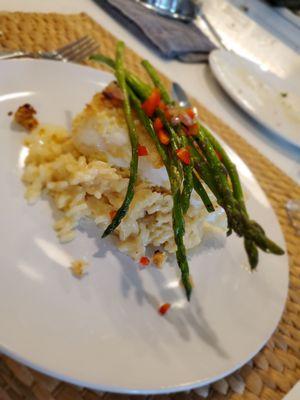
276,368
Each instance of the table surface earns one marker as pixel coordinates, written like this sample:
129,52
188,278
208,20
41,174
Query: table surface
197,79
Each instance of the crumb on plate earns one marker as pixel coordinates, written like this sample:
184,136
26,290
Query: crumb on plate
78,268
24,116
159,258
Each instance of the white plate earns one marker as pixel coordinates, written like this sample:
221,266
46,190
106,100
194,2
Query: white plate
272,101
104,331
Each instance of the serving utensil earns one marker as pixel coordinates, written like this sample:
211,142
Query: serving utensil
180,95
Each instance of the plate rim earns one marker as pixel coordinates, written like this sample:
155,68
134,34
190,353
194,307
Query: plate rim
124,390
234,95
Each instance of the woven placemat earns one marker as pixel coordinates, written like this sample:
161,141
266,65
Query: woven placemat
276,368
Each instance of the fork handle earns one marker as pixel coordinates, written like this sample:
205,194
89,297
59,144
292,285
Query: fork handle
6,55
9,55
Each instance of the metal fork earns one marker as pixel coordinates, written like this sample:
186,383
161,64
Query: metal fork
75,51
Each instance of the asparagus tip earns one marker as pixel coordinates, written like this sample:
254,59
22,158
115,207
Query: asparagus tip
187,287
210,208
252,253
275,249
105,233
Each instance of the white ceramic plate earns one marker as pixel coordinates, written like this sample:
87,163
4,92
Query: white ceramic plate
104,331
272,101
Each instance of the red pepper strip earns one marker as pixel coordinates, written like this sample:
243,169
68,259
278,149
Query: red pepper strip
163,137
142,151
184,155
150,105
190,112
144,261
164,308
157,124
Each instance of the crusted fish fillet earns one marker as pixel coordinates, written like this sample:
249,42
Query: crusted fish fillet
101,129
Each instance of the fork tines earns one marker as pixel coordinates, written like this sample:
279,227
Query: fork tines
78,50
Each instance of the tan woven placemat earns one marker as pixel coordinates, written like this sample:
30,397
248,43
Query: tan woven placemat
277,367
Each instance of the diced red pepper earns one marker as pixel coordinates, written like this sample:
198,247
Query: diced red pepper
168,114
142,151
190,112
164,308
150,105
144,261
193,130
184,155
112,214
157,124
163,137
162,106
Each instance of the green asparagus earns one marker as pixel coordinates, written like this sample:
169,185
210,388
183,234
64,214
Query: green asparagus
120,74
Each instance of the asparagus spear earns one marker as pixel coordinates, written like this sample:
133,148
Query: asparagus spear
179,230
263,242
177,214
199,189
120,74
202,169
176,140
249,245
254,232
142,89
252,252
225,196
103,60
176,143
188,181
237,218
229,165
156,81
